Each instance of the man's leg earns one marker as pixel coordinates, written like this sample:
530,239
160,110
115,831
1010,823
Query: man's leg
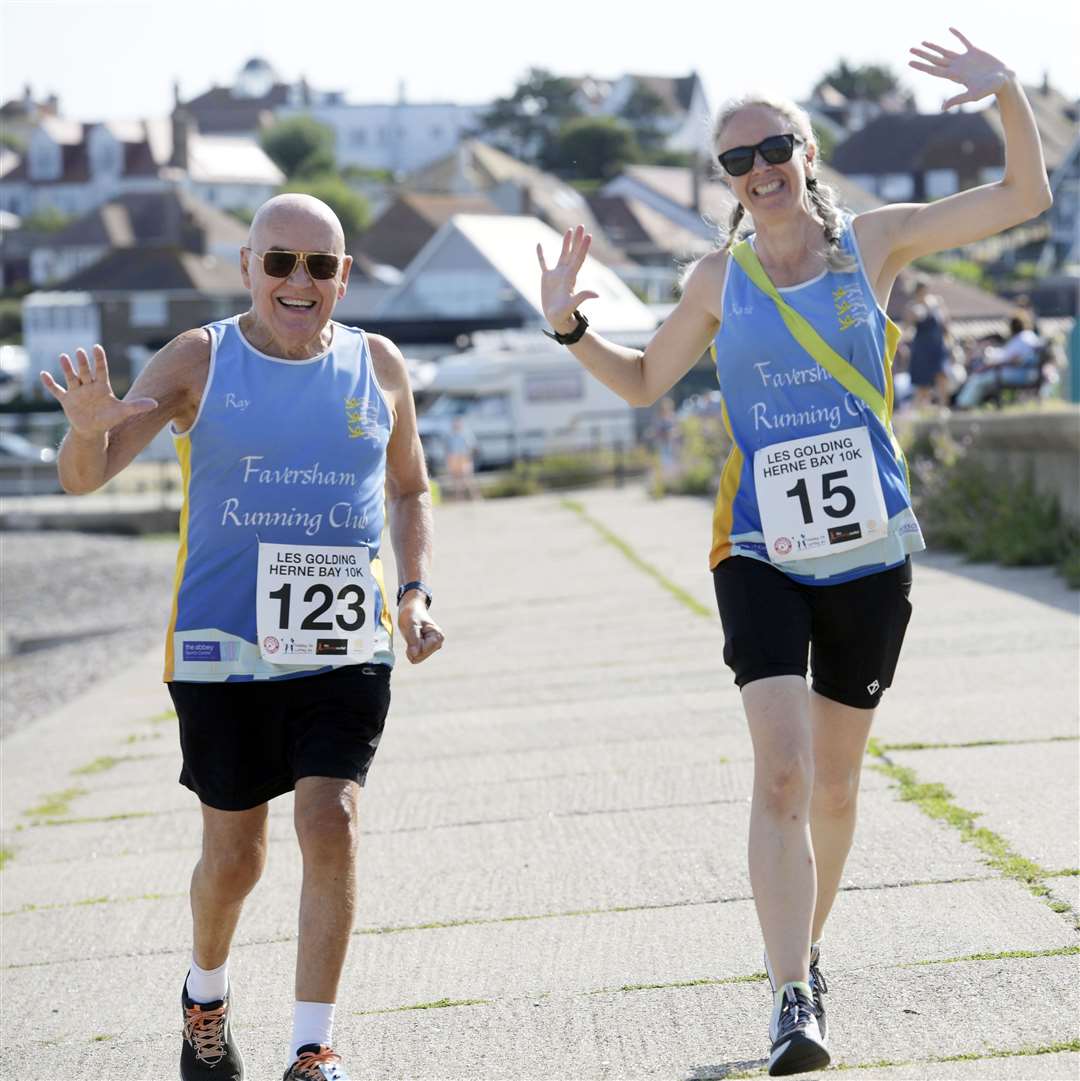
839,733
233,858
325,814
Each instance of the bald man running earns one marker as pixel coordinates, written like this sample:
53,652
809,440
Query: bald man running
289,428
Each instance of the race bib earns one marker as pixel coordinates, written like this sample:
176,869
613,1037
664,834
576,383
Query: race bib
818,495
315,604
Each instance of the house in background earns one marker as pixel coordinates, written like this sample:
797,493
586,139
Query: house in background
475,168
484,267
411,220
73,167
683,116
133,301
19,116
172,217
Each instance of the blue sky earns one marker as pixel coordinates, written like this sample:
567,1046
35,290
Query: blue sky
109,59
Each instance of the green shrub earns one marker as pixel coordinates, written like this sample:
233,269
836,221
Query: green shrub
990,515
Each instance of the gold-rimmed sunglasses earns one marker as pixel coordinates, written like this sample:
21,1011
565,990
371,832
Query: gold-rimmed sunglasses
320,265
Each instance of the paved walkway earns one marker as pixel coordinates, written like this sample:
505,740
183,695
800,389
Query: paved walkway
553,876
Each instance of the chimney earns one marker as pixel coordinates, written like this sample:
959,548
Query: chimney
182,128
1046,82
176,93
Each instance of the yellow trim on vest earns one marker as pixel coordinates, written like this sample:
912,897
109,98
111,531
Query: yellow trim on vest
724,513
183,454
386,619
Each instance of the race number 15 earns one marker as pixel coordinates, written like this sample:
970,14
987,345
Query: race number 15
829,491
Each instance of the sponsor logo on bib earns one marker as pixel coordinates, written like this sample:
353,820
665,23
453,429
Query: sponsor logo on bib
782,545
271,644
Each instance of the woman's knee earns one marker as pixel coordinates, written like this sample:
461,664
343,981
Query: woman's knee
784,785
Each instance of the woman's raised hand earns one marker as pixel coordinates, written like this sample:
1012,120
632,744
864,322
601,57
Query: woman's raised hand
978,72
89,403
557,296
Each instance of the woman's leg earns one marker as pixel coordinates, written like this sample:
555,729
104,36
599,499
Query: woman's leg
782,871
839,739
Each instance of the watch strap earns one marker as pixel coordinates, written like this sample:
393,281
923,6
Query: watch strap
420,587
574,335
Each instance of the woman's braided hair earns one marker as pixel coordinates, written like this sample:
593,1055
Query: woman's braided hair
821,199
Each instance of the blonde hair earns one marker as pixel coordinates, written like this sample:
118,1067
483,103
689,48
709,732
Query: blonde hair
821,201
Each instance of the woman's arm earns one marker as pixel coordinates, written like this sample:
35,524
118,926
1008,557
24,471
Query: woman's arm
892,236
639,378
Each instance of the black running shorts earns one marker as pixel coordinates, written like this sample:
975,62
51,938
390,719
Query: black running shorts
852,631
245,742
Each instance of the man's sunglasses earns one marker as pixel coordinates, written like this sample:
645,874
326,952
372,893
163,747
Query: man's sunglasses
320,265
775,150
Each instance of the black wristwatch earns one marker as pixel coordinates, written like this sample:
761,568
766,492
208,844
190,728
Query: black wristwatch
420,587
575,335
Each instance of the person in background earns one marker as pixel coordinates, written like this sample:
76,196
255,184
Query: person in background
929,349
1016,365
461,461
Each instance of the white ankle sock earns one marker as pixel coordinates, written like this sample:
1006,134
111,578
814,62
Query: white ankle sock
313,1022
207,985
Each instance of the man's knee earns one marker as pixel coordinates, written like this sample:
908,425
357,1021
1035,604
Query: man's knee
326,822
233,858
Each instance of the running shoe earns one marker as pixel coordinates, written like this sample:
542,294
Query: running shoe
316,1062
208,1052
819,987
797,1046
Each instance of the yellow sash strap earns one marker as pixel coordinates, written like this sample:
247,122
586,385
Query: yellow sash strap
841,370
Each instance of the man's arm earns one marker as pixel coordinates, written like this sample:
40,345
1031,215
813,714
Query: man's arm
408,499
106,433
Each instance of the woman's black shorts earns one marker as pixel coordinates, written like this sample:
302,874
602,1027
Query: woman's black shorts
853,631
246,742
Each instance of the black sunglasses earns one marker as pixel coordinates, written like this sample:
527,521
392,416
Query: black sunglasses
775,150
320,265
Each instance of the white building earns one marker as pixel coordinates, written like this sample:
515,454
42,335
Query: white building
398,137
484,266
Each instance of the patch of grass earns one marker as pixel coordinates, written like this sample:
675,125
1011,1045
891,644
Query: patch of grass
1007,955
6,855
936,801
54,804
1009,1052
438,1004
162,717
616,541
883,747
705,981
101,1037
1061,906
99,765
84,819
142,738
1069,872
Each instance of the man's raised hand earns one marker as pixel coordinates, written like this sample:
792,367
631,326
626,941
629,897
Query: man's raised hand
88,400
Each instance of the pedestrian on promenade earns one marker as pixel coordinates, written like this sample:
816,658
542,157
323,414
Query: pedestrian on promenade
461,461
813,526
929,347
288,426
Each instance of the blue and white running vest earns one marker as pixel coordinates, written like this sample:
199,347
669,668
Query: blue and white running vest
282,451
774,391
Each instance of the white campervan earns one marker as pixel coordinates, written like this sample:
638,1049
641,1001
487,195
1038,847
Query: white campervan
521,396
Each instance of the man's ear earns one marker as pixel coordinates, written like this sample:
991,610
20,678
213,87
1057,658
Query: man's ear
245,270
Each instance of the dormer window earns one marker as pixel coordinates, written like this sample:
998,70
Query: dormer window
46,161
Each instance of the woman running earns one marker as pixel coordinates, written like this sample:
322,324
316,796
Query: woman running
813,526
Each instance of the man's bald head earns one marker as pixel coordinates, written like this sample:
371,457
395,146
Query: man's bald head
296,222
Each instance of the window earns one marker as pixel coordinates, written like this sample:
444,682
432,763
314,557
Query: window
896,186
149,310
358,137
940,182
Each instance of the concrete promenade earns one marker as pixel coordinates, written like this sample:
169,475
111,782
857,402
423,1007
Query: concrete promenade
553,877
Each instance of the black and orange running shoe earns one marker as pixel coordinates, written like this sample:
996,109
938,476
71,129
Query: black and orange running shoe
208,1052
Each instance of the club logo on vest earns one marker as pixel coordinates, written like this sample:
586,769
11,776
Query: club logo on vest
233,402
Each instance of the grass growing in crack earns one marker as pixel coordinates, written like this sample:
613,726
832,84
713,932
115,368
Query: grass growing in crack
54,804
706,981
6,854
162,717
83,820
925,746
936,801
99,765
1007,955
617,542
438,1004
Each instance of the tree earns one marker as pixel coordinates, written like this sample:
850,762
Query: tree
300,146
642,110
593,148
866,82
525,123
352,209
46,220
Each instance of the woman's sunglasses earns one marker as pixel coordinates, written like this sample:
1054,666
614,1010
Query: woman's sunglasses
775,150
320,265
